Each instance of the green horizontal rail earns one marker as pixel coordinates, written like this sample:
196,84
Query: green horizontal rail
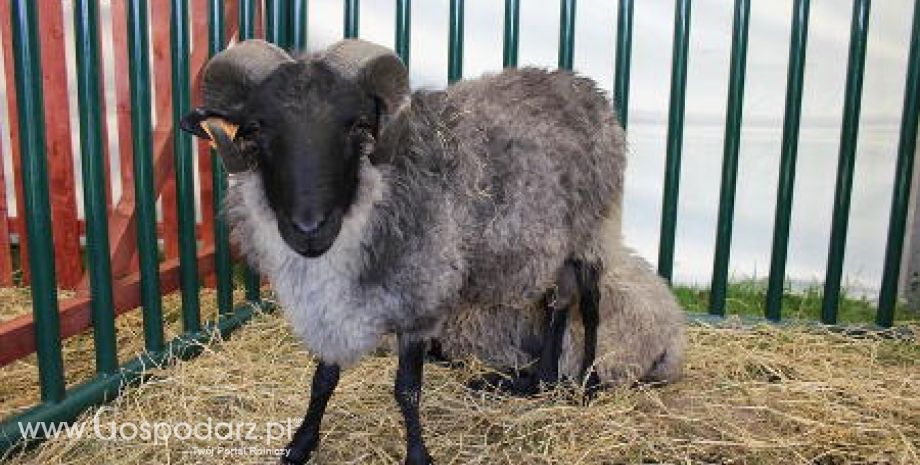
795,82
185,170
31,118
749,322
566,34
142,146
730,160
404,30
86,39
105,387
850,129
455,42
352,18
512,31
675,138
907,146
623,60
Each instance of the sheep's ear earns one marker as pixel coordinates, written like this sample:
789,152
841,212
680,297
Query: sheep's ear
221,132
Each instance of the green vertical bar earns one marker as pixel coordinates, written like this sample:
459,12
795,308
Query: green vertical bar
142,146
795,81
624,59
251,278
404,30
299,24
566,34
734,115
907,146
352,18
27,59
222,263
247,20
675,138
185,170
853,101
455,42
512,32
99,264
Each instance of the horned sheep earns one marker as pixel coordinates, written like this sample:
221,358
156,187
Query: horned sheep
373,210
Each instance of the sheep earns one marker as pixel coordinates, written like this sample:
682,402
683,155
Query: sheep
374,211
641,335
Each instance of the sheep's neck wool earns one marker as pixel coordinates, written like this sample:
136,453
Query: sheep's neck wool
338,319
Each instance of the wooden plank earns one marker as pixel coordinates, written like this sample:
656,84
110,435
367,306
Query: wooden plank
163,133
67,260
17,336
6,262
231,19
12,107
260,21
123,261
122,223
199,56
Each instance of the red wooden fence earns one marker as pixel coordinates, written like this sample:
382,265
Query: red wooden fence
16,336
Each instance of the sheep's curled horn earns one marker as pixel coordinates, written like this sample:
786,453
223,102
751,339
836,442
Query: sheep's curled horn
232,74
377,70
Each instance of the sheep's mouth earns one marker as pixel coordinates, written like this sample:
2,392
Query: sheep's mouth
315,244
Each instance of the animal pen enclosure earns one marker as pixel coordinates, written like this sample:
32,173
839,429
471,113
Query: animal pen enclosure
126,254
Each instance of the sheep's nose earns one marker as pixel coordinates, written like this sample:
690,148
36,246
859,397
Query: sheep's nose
309,226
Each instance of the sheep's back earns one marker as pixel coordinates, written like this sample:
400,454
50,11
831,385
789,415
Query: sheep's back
548,159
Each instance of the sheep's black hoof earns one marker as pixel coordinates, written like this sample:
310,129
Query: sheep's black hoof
293,457
420,457
593,385
298,455
519,386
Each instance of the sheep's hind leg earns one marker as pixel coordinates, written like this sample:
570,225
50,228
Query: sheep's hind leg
587,275
306,438
408,393
558,302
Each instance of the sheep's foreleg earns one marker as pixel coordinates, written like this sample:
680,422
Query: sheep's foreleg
408,393
306,438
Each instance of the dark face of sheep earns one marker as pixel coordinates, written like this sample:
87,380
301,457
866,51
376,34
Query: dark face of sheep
311,127
302,125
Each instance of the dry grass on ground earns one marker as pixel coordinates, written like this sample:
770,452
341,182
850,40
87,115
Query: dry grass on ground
757,396
19,388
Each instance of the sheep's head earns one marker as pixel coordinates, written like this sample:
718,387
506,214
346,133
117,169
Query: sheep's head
303,125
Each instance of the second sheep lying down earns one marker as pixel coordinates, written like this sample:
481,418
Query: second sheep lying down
641,336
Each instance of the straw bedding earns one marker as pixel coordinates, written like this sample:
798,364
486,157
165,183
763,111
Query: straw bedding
19,388
751,396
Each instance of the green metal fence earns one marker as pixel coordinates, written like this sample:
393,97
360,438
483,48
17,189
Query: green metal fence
286,25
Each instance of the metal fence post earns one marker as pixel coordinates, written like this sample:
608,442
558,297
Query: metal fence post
859,31
27,58
98,261
675,138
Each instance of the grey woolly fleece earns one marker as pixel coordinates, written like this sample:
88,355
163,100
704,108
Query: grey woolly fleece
641,336
472,197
